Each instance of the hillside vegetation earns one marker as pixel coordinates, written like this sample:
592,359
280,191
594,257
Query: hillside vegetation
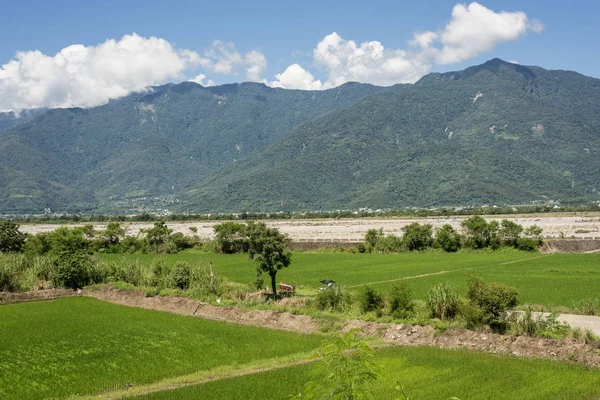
497,133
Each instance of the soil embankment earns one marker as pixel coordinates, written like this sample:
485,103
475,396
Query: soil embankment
571,246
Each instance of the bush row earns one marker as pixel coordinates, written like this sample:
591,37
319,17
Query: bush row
19,272
477,233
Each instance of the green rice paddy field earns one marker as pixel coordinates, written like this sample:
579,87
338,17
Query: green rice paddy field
425,373
542,279
82,346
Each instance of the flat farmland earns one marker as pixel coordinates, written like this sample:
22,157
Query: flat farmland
82,346
542,279
554,225
425,373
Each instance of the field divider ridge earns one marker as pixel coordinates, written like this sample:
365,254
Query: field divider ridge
404,278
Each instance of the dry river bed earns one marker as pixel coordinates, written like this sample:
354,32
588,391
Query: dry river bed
585,225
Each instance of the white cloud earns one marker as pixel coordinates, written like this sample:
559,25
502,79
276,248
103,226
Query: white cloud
472,30
225,59
475,29
87,76
199,79
296,77
80,76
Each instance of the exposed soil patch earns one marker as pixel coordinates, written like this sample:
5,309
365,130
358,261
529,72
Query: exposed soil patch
37,295
400,334
181,305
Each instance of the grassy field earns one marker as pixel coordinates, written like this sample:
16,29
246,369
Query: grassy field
84,346
425,373
542,279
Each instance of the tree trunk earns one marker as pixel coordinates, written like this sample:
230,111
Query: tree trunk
273,282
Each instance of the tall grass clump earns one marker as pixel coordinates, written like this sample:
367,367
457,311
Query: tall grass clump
333,299
443,302
548,326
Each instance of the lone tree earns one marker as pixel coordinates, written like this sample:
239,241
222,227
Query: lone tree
269,248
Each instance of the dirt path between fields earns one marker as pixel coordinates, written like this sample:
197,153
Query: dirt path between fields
400,334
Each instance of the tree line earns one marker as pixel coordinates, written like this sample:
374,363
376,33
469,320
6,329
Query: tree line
477,234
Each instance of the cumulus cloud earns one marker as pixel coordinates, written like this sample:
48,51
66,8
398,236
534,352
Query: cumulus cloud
296,77
473,30
199,79
85,76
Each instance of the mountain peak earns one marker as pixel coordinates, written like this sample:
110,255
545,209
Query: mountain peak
496,66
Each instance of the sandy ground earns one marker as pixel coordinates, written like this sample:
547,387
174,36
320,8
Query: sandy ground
578,226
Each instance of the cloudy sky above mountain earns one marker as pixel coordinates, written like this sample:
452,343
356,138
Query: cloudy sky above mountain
69,53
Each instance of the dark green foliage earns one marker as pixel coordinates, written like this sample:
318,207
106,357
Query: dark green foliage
158,238
510,232
417,236
371,238
448,239
181,275
231,237
334,299
11,239
269,249
400,301
494,300
527,244
370,300
443,302
72,270
67,241
479,233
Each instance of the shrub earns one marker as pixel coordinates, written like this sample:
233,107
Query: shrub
548,326
334,299
72,270
494,300
480,233
527,244
443,302
180,276
388,244
587,306
401,303
11,239
448,239
132,244
370,300
417,237
371,238
231,237
9,274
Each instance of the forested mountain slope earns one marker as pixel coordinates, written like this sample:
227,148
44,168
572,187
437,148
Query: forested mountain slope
494,133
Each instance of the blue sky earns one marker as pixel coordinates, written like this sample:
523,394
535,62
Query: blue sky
279,35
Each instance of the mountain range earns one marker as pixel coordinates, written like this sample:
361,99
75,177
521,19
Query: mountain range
496,133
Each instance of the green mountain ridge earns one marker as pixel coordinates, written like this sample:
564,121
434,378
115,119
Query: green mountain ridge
496,133
155,143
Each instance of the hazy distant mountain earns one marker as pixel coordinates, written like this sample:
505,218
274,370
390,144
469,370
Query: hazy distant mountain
493,133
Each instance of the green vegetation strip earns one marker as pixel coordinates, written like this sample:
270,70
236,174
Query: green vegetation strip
82,346
547,280
425,373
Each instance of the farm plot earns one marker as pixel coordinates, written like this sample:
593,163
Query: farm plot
542,279
425,373
84,346
347,269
